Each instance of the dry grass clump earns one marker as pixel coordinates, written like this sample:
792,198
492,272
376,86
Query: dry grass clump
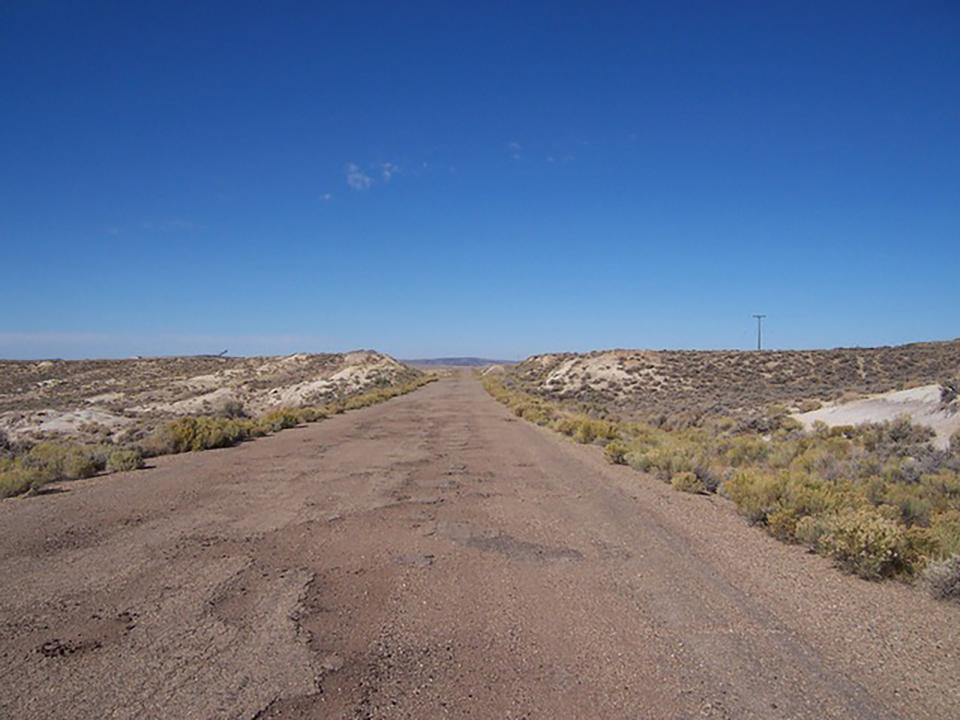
230,408
809,405
878,499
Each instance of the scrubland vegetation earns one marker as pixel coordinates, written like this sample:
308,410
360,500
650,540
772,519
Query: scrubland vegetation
27,468
683,388
877,499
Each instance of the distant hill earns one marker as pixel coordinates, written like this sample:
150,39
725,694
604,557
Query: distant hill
686,385
459,361
93,400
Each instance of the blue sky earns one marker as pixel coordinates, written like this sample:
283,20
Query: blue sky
492,179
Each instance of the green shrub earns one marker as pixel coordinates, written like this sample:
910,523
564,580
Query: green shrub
687,482
124,459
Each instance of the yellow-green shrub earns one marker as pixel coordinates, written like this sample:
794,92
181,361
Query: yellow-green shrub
124,459
687,482
190,434
865,543
16,479
62,462
945,531
744,450
756,493
782,524
48,462
616,452
808,531
280,419
665,460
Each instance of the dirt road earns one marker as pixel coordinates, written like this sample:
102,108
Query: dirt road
435,557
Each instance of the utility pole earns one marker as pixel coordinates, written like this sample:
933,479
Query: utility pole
759,330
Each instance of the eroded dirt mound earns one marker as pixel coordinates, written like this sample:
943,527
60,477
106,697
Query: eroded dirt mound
934,406
100,399
650,384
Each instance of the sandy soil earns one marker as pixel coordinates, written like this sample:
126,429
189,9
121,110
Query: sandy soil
435,557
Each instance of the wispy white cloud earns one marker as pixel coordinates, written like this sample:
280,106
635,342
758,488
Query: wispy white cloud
360,178
514,147
388,170
357,178
326,197
182,225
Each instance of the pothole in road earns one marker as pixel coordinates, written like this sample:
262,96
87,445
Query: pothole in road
488,540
